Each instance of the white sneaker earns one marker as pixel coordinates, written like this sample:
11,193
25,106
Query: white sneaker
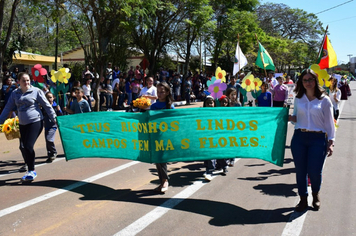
208,176
30,176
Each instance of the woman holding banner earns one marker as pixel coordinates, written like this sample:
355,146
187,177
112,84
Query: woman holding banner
164,101
313,137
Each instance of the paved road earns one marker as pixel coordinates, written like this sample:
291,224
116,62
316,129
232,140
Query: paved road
115,197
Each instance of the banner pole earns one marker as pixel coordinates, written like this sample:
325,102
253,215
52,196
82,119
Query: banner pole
322,43
238,45
262,58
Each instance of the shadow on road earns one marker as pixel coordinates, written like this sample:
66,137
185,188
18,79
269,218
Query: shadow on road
181,179
285,190
13,166
273,172
221,213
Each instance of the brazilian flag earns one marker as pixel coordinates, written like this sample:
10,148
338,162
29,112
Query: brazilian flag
264,60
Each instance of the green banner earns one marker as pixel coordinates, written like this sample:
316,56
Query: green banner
177,135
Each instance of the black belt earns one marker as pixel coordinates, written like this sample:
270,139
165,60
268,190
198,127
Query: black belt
311,131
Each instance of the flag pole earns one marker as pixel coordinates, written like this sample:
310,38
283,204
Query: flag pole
322,43
238,45
262,59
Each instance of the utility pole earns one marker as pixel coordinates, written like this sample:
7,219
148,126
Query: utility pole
349,55
57,32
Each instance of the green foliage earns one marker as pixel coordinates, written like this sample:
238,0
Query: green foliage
227,18
195,63
76,70
278,19
113,30
167,62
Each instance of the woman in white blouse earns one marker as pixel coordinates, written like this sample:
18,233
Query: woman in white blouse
335,96
313,137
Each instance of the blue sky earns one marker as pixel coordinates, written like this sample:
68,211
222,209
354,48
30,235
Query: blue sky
341,21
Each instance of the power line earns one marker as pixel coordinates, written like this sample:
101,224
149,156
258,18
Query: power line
340,19
334,7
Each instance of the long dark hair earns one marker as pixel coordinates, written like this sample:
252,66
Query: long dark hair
230,91
333,86
169,98
300,90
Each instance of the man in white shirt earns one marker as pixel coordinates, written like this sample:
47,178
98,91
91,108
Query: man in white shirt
271,80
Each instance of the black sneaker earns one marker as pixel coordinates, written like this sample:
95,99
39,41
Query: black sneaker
225,171
52,158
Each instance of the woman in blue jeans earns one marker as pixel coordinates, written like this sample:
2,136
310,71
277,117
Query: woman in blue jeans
313,137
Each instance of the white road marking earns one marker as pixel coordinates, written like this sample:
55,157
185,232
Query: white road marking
159,211
296,221
44,197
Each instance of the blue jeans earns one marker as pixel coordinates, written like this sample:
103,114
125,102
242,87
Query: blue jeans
109,101
210,165
129,98
101,98
187,96
309,152
134,96
121,99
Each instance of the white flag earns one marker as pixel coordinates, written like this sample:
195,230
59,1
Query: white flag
240,60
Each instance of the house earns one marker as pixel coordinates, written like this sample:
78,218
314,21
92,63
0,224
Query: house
77,55
26,60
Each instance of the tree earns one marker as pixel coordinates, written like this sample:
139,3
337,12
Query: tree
197,22
224,11
245,24
6,32
154,26
294,35
295,24
103,21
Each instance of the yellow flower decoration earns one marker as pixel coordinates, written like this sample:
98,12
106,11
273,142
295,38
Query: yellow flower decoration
323,75
10,125
7,122
257,83
220,74
142,102
248,82
62,75
6,128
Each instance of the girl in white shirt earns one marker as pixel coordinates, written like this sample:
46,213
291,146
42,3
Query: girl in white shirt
313,137
86,90
149,91
335,96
